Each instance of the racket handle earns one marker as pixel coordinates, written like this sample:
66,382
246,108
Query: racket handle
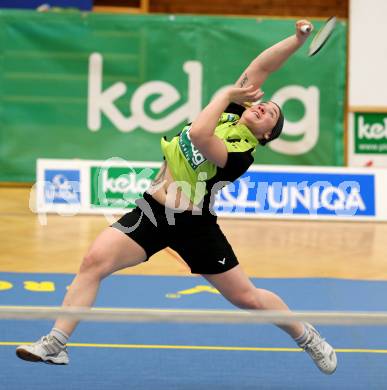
305,28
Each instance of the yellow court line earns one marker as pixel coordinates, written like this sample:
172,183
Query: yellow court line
197,347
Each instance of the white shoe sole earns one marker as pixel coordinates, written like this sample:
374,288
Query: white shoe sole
30,357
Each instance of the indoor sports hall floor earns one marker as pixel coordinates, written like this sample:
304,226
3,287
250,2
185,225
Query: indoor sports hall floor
312,265
194,356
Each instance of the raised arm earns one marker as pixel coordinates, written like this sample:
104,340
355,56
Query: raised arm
246,90
272,58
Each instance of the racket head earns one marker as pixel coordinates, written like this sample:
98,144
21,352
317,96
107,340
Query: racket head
322,36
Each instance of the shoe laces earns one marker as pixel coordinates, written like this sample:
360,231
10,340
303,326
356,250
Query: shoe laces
50,344
315,346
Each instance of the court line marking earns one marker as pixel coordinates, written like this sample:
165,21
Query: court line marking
197,347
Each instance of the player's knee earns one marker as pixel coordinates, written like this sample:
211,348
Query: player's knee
248,299
95,264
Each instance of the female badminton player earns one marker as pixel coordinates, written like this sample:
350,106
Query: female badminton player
176,211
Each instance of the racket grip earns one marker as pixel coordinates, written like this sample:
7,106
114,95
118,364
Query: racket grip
305,28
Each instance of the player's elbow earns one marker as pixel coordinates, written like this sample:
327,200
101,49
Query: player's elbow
196,135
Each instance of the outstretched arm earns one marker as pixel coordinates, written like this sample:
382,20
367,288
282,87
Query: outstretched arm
272,58
246,90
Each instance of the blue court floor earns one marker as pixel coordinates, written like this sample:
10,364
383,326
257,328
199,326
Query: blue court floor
192,356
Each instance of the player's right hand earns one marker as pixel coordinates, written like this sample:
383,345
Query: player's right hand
300,32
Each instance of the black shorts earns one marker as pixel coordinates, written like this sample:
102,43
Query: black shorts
196,238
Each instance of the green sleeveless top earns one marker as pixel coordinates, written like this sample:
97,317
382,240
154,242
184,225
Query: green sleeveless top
197,176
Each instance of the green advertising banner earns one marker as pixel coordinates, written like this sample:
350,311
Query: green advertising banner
370,133
118,187
96,86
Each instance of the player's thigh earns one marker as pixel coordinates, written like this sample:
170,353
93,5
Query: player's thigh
111,251
235,286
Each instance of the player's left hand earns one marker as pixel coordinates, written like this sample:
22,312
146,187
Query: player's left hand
241,95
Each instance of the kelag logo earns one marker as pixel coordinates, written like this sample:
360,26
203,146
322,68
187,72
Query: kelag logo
102,103
299,193
370,133
119,187
62,186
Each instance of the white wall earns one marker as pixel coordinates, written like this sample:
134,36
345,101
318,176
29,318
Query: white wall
368,53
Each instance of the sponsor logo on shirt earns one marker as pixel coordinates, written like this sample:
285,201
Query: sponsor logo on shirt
190,152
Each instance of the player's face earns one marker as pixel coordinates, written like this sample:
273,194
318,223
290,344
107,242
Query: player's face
261,118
